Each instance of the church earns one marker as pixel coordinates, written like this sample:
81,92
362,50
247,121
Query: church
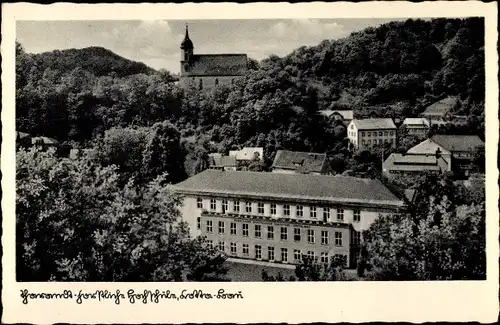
205,71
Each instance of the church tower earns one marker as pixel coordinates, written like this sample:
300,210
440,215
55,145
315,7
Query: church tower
186,52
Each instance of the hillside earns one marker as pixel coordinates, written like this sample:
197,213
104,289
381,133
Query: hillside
96,60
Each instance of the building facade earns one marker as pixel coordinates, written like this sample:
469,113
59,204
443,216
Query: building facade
205,71
372,132
416,126
280,217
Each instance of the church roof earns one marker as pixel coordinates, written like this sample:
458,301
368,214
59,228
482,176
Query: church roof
218,65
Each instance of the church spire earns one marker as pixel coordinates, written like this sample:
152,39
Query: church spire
187,44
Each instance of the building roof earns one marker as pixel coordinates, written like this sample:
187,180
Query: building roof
22,135
259,185
247,153
414,162
187,44
217,65
458,142
222,161
416,122
303,161
44,140
346,114
441,107
374,124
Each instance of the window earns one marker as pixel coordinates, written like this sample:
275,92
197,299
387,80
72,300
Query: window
300,211
209,226
245,249
244,229
284,255
312,212
380,134
363,142
225,206
352,126
296,234
338,238
310,254
233,228
324,237
260,208
273,209
213,205
310,236
374,141
363,133
326,214
257,231
233,248
199,203
221,227
248,207
297,255
391,132
369,134
386,133
236,206
270,232
356,237
270,253
286,209
221,246
258,252
369,142
210,244
357,215
324,257
340,214
284,233
216,81
198,223
200,86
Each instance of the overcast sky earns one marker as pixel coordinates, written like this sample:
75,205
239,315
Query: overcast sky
157,42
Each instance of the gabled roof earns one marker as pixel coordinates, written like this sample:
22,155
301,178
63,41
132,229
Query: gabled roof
44,140
346,114
374,124
300,161
22,135
458,142
427,147
415,162
416,122
441,107
247,153
262,185
218,65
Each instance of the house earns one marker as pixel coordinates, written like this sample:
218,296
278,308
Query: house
457,150
301,162
218,161
44,142
416,126
206,71
342,115
436,113
410,164
248,154
372,132
281,217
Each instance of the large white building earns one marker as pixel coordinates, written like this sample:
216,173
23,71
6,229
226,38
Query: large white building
280,217
372,132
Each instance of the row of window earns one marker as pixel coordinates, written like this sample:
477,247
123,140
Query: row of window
258,252
257,231
380,133
369,142
299,211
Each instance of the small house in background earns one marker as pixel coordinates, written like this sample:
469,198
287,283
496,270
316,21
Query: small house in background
373,132
436,113
248,154
416,126
345,116
44,142
217,161
296,162
397,164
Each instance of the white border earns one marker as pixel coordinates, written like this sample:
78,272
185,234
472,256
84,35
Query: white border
264,302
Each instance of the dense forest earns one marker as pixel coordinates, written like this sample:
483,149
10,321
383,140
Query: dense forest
141,131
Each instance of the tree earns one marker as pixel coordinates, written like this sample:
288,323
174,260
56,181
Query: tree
310,270
76,222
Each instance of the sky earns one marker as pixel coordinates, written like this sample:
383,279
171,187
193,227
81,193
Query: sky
157,42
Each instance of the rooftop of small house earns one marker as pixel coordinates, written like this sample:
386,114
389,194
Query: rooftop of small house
441,107
374,124
458,142
300,161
